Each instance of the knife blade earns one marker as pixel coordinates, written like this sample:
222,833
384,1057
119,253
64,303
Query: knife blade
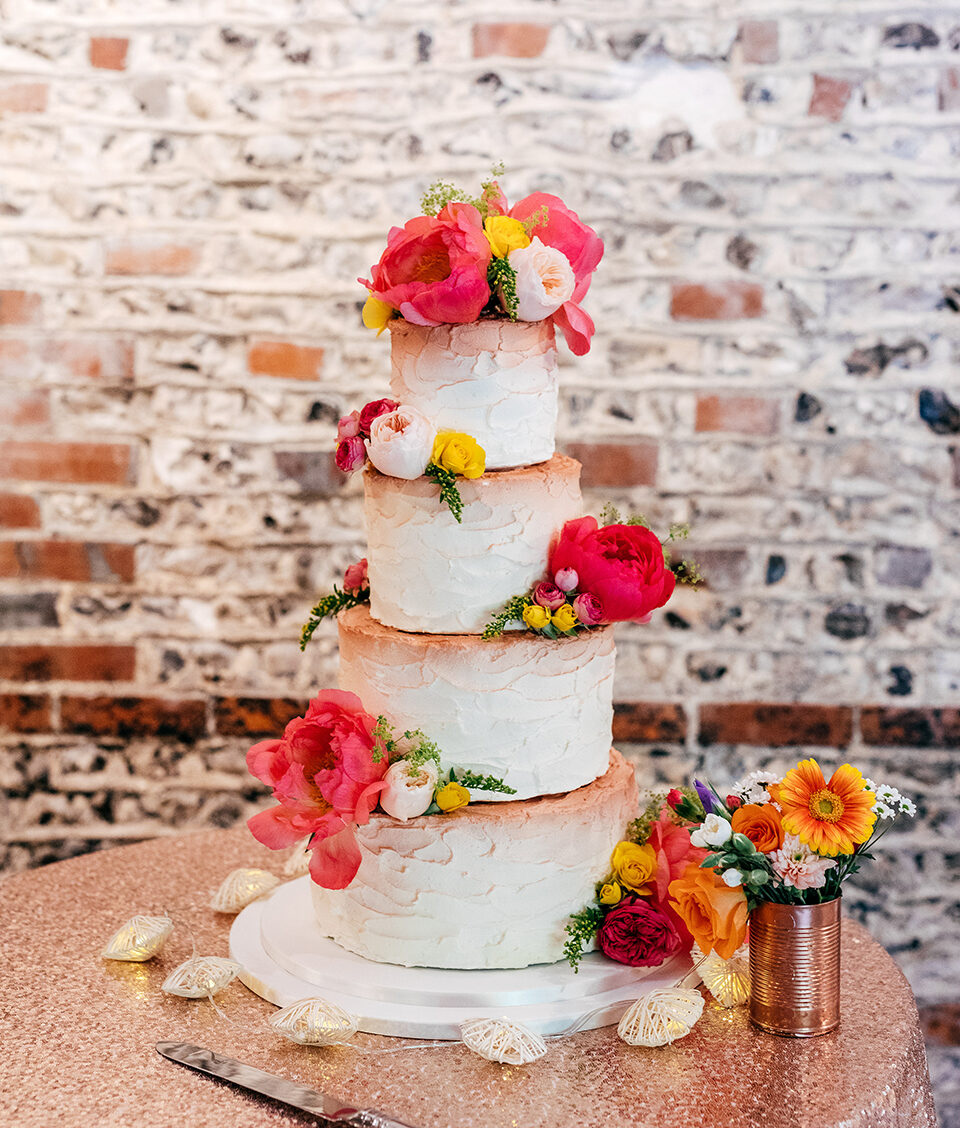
329,1109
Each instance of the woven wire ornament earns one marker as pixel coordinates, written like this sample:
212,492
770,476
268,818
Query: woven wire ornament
727,980
498,1039
241,887
661,1016
200,977
139,939
314,1022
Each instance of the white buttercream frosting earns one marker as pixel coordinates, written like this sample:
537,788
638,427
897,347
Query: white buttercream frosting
484,887
495,380
427,573
533,711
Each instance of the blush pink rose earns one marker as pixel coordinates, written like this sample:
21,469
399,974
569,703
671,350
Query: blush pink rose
637,934
434,270
401,443
351,454
355,578
373,410
622,565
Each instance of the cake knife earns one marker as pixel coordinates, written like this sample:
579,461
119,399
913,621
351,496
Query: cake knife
330,1110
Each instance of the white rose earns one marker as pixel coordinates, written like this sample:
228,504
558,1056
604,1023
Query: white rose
713,831
401,443
545,280
409,790
732,877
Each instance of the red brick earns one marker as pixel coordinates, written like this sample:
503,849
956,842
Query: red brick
20,408
776,726
751,415
107,53
829,97
759,41
70,561
948,89
79,662
649,722
617,465
17,511
941,1024
256,716
17,307
24,712
107,463
133,716
281,358
716,301
23,98
910,728
150,258
110,359
516,40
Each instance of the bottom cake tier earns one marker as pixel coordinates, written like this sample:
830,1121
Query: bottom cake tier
489,886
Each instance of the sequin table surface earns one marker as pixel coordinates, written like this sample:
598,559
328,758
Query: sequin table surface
77,1033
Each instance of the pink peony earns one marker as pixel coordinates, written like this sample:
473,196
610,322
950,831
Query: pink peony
637,934
373,410
349,426
589,609
622,565
355,578
548,595
325,775
434,270
351,454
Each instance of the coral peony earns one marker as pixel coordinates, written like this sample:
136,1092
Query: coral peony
761,824
673,850
622,565
715,914
401,443
434,270
637,934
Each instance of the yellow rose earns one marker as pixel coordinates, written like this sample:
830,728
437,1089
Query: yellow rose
564,618
376,314
451,797
505,234
634,866
460,454
535,616
610,893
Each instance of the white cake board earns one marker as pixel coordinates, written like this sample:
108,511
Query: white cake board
285,957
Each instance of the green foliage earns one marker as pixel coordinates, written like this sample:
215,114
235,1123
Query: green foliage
329,605
423,749
449,494
639,830
512,611
502,280
638,519
609,515
442,192
536,219
581,929
688,572
474,782
678,531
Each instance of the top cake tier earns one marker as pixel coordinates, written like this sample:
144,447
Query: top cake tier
494,380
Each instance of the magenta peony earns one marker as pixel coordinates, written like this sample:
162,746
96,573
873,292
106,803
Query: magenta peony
622,565
637,934
351,454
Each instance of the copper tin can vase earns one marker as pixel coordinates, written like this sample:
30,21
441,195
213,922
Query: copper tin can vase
795,968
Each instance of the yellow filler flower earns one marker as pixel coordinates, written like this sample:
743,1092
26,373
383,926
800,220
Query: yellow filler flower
451,797
459,453
505,234
831,818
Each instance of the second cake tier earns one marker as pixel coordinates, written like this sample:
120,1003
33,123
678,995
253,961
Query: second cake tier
533,711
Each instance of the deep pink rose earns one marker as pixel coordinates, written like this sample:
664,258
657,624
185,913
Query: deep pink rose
622,565
589,609
373,410
351,454
434,270
637,934
349,426
548,595
355,578
326,776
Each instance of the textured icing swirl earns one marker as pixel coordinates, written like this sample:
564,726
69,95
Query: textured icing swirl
427,573
491,885
535,712
494,380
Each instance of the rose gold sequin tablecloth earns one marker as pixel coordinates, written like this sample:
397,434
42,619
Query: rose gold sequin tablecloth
77,1033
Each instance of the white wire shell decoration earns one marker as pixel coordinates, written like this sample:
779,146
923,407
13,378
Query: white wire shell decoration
241,887
661,1016
314,1022
498,1039
200,977
139,939
727,980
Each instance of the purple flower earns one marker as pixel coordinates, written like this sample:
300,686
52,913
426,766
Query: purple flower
706,797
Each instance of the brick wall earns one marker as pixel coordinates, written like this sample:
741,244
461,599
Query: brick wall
185,200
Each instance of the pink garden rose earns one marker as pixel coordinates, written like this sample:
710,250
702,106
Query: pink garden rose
434,270
622,565
548,595
349,426
355,578
373,410
326,777
589,609
351,454
637,934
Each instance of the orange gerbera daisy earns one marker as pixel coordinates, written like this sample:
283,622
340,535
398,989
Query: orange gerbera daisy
831,818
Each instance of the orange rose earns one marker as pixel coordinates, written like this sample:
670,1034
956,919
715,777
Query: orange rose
715,914
761,824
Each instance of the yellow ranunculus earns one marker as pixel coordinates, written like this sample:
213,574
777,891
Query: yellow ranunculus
610,893
459,453
634,866
505,234
376,314
565,618
535,616
451,797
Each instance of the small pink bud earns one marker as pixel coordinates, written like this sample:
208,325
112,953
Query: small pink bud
548,595
349,426
351,454
589,609
355,577
566,579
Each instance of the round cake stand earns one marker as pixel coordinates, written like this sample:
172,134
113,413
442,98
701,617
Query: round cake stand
285,957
